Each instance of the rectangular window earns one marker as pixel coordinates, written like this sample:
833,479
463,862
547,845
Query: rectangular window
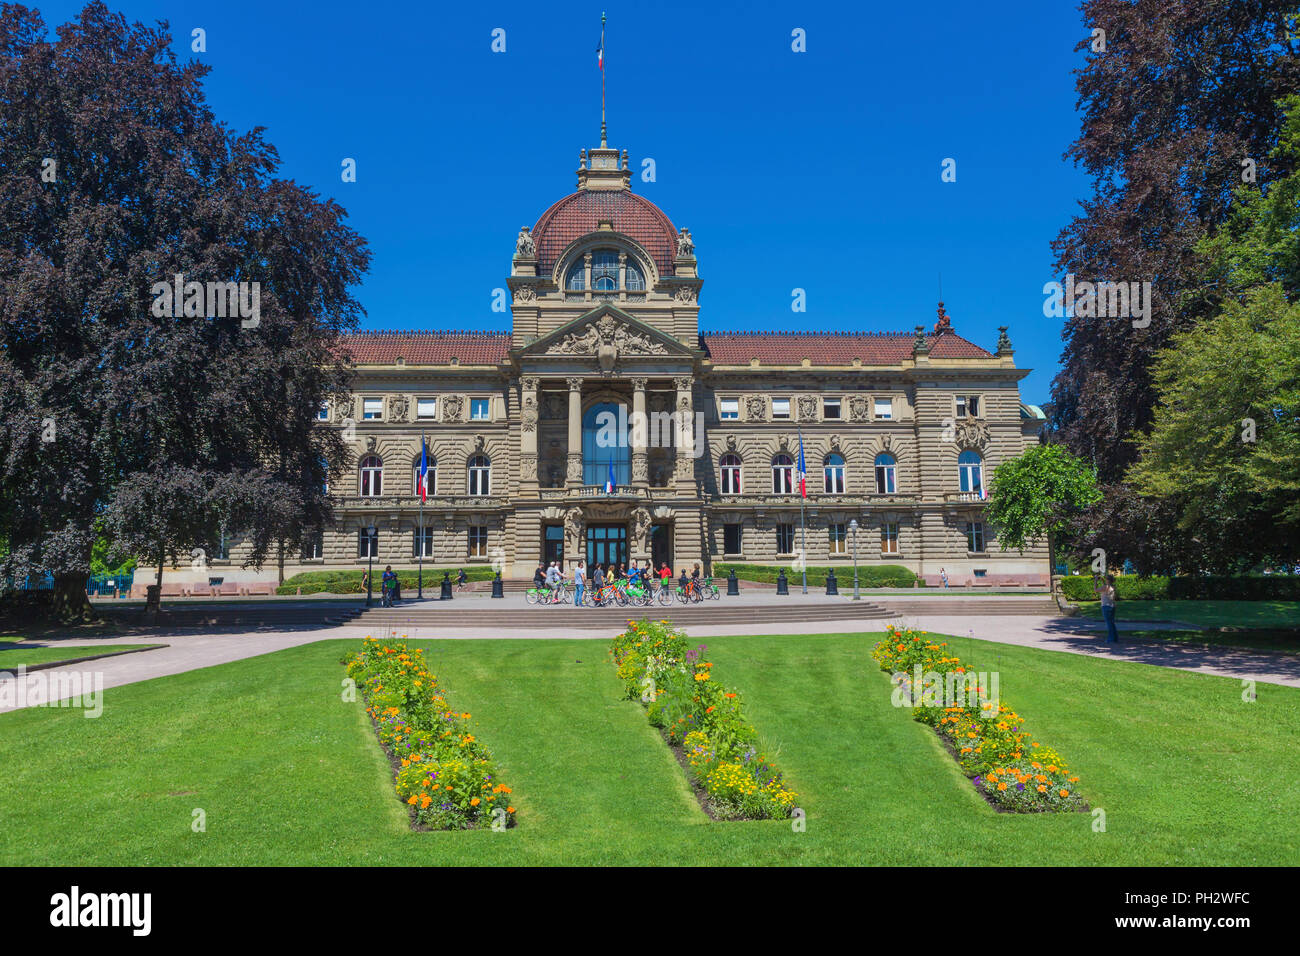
968,406
975,536
780,408
313,546
889,537
478,545
323,413
838,537
420,537
884,408
479,409
426,408
831,409
372,408
728,408
785,539
731,539
367,546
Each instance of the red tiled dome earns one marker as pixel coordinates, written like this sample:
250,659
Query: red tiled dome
582,212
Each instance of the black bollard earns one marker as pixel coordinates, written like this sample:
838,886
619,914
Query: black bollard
446,587
498,589
782,584
832,585
733,586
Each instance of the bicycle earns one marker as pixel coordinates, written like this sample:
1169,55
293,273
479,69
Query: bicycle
710,590
664,594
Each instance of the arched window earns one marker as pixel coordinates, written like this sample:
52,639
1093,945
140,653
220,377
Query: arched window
970,471
577,278
782,475
604,270
432,477
601,447
372,476
729,474
635,278
833,472
480,475
886,474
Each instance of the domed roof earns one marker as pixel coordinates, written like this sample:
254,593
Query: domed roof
582,212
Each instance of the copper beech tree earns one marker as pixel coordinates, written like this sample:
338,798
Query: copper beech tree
162,419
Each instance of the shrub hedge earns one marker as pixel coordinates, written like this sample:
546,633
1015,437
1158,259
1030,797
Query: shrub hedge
350,581
869,576
1130,587
675,683
990,742
446,775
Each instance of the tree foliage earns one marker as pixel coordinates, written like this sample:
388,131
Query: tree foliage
1034,495
115,176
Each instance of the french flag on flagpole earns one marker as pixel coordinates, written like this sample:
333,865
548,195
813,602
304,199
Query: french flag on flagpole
600,51
424,470
803,471
609,481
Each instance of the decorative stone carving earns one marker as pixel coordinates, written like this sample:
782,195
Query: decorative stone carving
641,522
640,383
573,531
528,414
528,467
575,467
972,432
685,467
452,408
575,383
372,444
685,244
398,408
659,401
858,409
683,383
525,292
807,408
529,383
685,294
525,247
553,406
343,406
756,408
731,443
607,332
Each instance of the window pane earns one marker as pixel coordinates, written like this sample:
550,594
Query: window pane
478,409
831,408
577,276
372,408
884,408
785,539
323,412
426,408
780,408
635,280
729,408
731,539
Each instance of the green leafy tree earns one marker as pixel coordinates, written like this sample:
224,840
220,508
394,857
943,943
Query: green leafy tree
1035,495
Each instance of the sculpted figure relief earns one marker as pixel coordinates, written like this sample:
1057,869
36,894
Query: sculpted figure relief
685,244
606,331
525,247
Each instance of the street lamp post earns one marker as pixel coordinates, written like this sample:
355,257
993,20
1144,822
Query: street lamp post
370,552
853,526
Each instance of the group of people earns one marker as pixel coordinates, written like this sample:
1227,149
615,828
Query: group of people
599,575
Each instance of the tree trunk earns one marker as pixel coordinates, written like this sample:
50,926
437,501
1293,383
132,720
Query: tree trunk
69,599
281,558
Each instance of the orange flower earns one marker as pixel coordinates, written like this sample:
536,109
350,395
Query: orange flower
474,802
1065,793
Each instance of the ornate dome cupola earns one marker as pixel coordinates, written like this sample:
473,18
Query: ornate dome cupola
605,170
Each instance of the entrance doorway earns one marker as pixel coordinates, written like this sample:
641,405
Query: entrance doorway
553,544
606,544
661,545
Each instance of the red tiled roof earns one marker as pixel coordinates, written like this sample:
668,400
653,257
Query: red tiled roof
428,348
873,348
582,212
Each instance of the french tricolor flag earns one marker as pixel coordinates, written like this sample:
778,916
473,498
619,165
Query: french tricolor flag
803,471
424,471
600,51
609,481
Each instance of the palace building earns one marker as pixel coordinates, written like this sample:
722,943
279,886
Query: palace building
607,426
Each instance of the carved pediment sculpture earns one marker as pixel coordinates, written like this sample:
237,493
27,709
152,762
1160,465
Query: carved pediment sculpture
608,332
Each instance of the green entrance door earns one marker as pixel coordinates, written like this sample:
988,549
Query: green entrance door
606,544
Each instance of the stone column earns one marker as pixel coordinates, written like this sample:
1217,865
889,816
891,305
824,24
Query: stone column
686,452
528,418
638,438
575,430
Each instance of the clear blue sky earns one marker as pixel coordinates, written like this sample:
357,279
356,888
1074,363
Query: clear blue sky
818,170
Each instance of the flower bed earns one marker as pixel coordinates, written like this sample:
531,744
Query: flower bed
987,737
448,778
703,719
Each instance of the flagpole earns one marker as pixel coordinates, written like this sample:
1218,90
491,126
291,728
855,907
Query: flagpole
602,80
803,540
424,466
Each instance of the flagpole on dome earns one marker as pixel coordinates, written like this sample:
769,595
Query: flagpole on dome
600,62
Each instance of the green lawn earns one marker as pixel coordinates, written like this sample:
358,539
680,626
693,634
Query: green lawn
12,657
288,773
1255,638
1206,613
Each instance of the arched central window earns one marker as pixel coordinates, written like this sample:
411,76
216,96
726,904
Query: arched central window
886,474
372,476
729,474
604,270
834,474
970,471
480,475
605,444
635,279
576,280
782,475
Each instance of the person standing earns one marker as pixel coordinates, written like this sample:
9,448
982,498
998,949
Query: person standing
943,577
597,582
1106,591
579,581
539,578
386,586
